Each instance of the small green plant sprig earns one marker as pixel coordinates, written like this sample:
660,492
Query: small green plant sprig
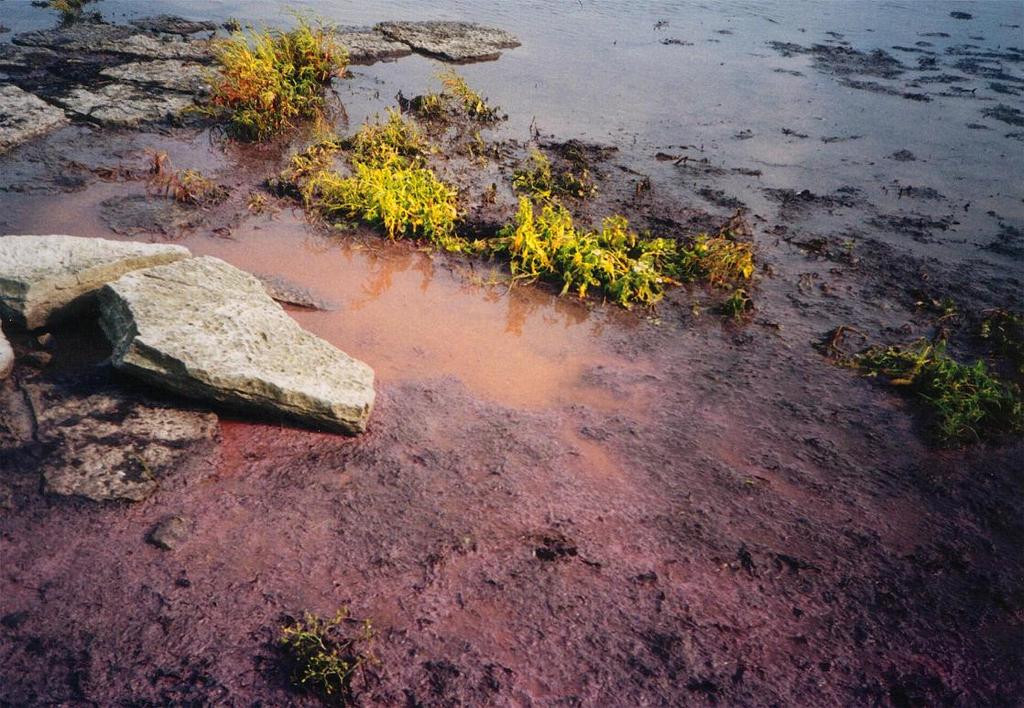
1005,330
324,658
270,79
472,102
539,181
392,141
968,403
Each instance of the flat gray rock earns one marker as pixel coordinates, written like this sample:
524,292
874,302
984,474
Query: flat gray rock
24,116
172,24
368,46
106,448
6,356
205,329
76,37
150,47
167,74
43,277
14,57
124,104
96,37
451,41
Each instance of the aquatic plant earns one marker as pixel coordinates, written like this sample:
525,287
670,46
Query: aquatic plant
70,10
184,186
407,201
395,140
316,158
455,99
324,658
966,401
737,304
717,260
539,180
472,102
270,79
614,260
1005,330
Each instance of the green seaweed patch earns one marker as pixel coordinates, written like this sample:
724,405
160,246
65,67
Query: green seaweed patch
966,401
270,79
325,656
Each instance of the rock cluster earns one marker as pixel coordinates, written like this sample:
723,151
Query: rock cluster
194,326
154,68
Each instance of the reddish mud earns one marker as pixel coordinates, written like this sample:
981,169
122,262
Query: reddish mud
557,502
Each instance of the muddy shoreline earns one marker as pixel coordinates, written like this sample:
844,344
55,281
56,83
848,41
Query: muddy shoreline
557,501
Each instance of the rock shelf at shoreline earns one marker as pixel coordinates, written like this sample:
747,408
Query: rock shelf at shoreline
154,69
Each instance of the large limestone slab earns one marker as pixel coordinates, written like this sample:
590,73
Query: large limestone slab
24,116
452,41
42,277
124,104
205,329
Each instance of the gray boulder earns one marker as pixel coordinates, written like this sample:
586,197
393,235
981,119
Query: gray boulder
6,356
24,116
43,277
205,329
452,41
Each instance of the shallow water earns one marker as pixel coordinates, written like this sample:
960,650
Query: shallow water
599,70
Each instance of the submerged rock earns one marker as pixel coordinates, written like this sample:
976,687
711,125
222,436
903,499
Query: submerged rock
108,448
6,356
135,214
368,46
124,104
289,293
24,116
170,533
172,24
453,41
205,329
167,74
42,277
